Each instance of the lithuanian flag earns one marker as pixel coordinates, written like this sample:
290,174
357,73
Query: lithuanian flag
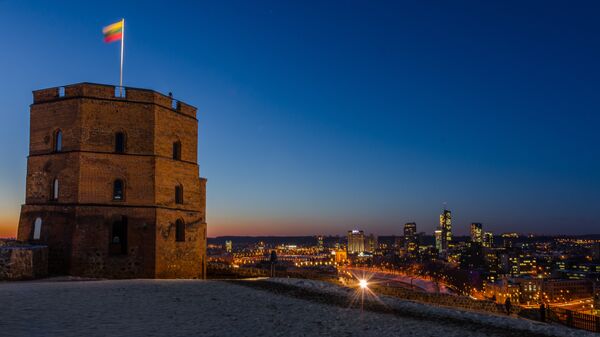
113,32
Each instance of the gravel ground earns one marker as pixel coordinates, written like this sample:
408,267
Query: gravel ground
204,308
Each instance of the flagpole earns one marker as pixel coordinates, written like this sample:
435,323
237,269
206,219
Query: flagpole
122,47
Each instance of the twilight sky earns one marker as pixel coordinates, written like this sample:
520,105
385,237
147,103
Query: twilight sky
319,116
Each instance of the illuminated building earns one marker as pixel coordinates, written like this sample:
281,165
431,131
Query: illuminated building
488,240
411,242
438,240
476,232
446,229
320,242
340,256
356,241
508,239
370,243
596,251
228,246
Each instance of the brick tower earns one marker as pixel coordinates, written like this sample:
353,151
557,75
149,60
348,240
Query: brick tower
113,184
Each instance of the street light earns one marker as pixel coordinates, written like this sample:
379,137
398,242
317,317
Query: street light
363,284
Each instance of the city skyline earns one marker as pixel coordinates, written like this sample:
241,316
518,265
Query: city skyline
370,116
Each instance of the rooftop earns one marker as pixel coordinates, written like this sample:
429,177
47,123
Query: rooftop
111,92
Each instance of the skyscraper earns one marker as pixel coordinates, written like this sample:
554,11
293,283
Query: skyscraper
411,243
438,240
228,246
356,241
488,240
476,232
446,229
371,243
320,242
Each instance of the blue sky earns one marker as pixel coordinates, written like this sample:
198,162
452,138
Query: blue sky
319,116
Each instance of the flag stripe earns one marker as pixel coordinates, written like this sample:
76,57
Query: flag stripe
111,27
113,37
114,31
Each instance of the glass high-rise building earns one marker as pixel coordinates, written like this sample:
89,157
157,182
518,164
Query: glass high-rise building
411,242
446,230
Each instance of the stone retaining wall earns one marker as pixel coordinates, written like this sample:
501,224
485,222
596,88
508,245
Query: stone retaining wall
20,261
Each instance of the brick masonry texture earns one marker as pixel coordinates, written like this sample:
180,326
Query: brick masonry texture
79,227
20,261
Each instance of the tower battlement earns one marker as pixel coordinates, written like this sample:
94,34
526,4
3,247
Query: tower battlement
112,92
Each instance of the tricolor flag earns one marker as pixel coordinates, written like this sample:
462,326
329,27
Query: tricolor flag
113,32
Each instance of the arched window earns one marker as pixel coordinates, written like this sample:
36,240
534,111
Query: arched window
58,141
179,230
177,150
55,189
118,188
179,194
118,237
119,142
37,228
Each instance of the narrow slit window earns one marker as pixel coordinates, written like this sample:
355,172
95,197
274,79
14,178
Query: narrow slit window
118,190
177,150
61,91
179,230
118,237
179,194
37,228
120,142
58,136
55,189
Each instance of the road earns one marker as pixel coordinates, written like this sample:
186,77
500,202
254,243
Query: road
393,278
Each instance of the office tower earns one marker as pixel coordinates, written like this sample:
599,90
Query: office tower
438,240
476,232
228,246
411,242
488,240
356,241
446,228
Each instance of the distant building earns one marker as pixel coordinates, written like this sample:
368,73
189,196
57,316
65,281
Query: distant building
411,240
356,241
476,232
446,229
320,242
340,256
508,239
438,240
228,246
371,244
488,240
596,251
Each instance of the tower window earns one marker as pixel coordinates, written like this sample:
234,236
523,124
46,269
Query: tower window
118,190
118,237
179,194
179,230
58,141
61,91
177,150
37,228
119,142
54,189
